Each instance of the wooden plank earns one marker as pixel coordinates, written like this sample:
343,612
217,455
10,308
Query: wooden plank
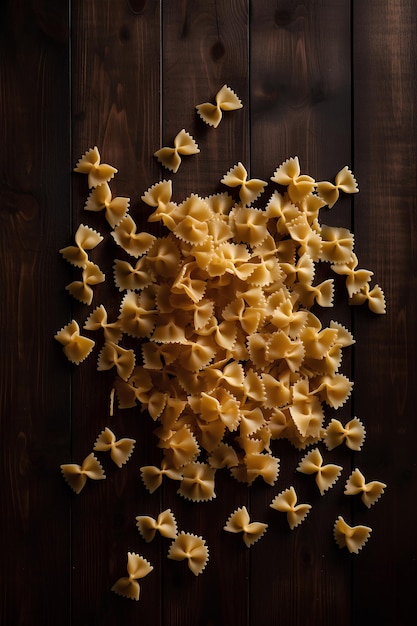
115,86
34,387
204,46
385,356
300,106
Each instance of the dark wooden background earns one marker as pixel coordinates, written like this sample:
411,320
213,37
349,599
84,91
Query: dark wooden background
332,81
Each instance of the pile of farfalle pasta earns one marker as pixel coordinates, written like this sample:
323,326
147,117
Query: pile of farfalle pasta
230,352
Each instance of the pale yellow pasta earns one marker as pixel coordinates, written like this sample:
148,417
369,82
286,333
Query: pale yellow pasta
286,502
165,524
356,279
353,434
98,319
370,492
137,314
334,389
98,173
113,355
127,277
81,289
126,237
137,567
181,448
76,347
184,144
257,465
239,522
374,297
351,537
159,196
226,100
76,475
223,456
120,449
197,483
289,174
86,238
344,180
250,189
152,476
326,475
101,198
337,244
192,548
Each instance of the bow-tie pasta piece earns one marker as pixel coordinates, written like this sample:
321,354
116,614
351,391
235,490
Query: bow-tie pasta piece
351,537
299,186
371,492
152,476
184,144
192,548
374,297
98,319
76,475
255,465
181,448
344,181
337,244
86,238
133,243
127,277
226,100
113,355
98,173
356,279
353,434
239,522
223,456
165,524
76,347
286,502
120,449
197,484
250,189
326,475
81,289
137,567
101,198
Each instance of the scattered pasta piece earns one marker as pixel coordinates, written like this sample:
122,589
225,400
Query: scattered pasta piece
120,450
289,174
371,492
286,502
184,144
239,522
326,475
344,181
198,482
81,289
76,475
101,198
374,297
113,355
152,476
98,319
353,434
137,567
98,173
86,238
226,100
126,237
193,549
165,524
76,347
249,190
351,537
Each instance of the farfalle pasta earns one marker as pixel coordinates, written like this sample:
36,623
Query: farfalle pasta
184,144
286,502
97,172
239,522
352,434
120,449
137,567
165,524
191,548
326,474
351,537
76,347
226,100
370,492
76,475
101,198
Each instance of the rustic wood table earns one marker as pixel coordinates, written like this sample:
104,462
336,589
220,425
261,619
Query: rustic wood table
331,81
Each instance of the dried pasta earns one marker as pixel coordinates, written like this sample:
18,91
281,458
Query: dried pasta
286,502
76,347
192,548
351,537
137,567
239,522
326,475
101,198
250,189
165,524
353,434
226,100
98,173
370,492
184,144
120,449
76,475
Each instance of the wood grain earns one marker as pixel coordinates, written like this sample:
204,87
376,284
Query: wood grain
333,82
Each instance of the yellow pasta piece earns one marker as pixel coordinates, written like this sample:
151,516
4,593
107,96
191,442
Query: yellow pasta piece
152,476
192,548
98,319
98,173
197,483
181,448
374,297
76,475
223,456
81,289
184,144
86,238
353,434
76,347
165,524
239,522
371,492
113,355
127,277
120,450
326,475
289,174
250,189
344,181
137,567
351,537
101,198
226,100
286,502
356,279
126,237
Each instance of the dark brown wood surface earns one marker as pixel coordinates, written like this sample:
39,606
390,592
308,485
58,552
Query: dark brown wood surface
331,81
